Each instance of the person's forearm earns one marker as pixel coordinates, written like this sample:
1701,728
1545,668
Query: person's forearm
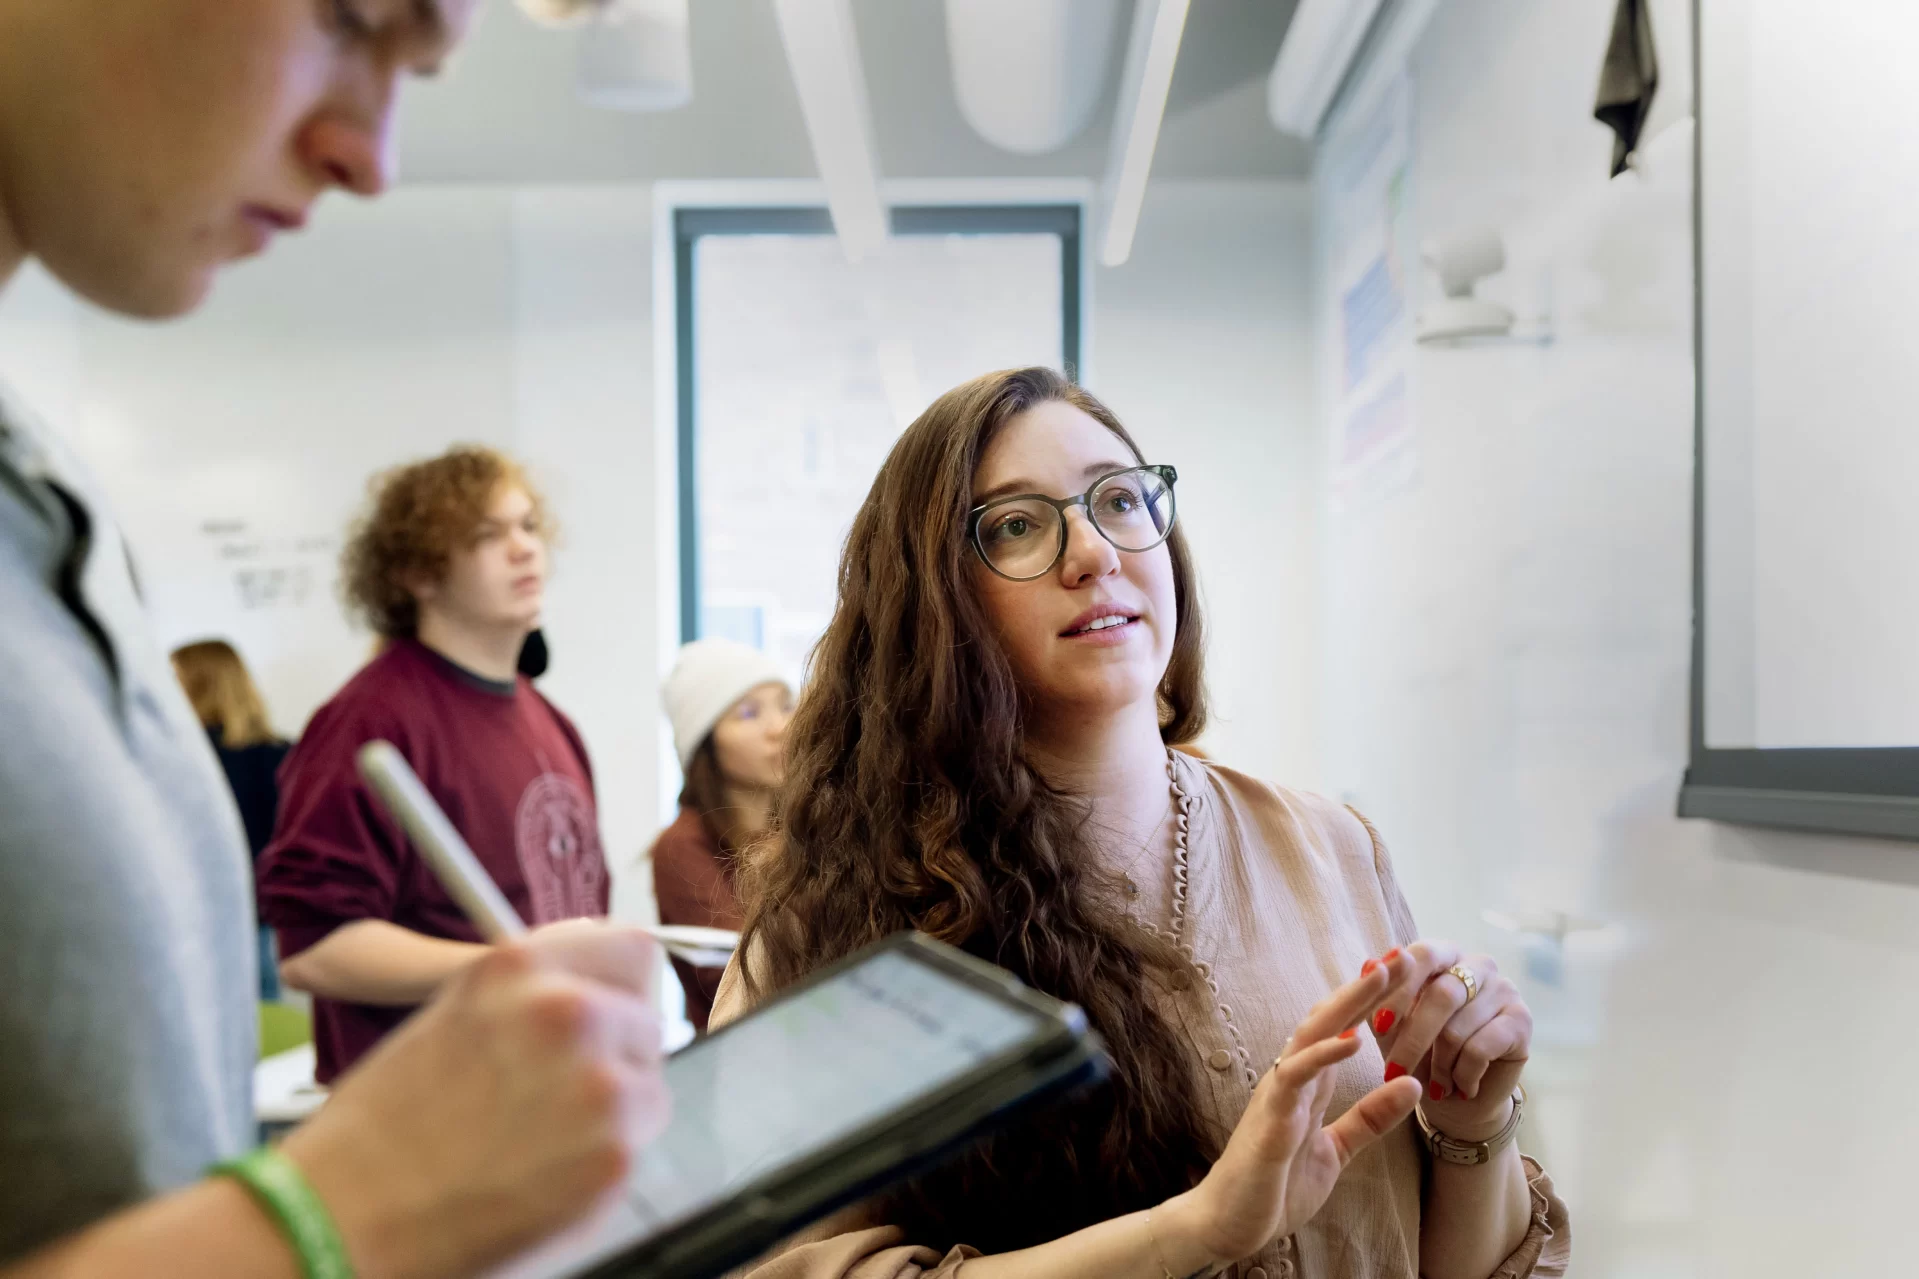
1122,1248
1474,1217
210,1231
373,962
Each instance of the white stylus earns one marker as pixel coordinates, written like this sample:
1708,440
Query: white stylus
467,882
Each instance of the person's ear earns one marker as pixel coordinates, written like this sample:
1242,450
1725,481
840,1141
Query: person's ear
424,590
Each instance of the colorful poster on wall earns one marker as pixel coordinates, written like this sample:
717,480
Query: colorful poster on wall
1371,257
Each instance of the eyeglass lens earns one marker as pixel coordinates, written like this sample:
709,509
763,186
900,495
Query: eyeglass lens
1020,536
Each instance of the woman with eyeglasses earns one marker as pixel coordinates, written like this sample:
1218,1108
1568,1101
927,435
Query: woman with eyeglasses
984,754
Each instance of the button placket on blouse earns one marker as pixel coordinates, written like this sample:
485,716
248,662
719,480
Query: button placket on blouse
1180,980
1283,1267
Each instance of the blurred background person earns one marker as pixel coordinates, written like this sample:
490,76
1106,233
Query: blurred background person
450,567
231,709
132,139
729,705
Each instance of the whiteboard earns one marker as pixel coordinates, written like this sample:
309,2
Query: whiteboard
1809,204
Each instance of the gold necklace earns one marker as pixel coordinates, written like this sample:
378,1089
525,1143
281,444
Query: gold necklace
1126,881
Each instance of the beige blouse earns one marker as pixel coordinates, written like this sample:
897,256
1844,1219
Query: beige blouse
1288,894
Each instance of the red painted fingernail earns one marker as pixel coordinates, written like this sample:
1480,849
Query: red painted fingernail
1436,1090
1348,1033
1393,1071
1383,1020
1391,955
1366,969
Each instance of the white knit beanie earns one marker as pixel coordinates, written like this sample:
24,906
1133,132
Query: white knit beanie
711,675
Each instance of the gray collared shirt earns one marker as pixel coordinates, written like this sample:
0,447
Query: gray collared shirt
127,969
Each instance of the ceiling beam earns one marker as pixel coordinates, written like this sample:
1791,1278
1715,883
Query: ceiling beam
1321,42
1158,27
823,51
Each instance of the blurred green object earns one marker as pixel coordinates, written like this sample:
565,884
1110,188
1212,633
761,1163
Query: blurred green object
282,1026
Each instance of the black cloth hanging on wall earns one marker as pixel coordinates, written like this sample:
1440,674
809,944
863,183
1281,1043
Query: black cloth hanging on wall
1628,78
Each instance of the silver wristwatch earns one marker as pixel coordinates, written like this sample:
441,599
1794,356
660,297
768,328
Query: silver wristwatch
1471,1153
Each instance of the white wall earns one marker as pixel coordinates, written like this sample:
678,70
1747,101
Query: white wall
1720,1069
584,395
520,319
1202,343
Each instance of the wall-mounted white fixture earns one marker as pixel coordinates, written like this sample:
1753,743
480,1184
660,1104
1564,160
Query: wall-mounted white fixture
1460,260
1320,44
1029,73
823,51
1158,27
637,55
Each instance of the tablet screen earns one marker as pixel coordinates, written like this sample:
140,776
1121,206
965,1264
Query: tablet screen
781,1084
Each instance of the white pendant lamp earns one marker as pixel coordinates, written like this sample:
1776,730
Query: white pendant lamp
1030,74
634,55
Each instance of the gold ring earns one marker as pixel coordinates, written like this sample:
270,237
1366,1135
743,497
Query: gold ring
1466,979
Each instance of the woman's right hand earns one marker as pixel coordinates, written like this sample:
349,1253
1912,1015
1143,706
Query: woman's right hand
1281,1163
505,1110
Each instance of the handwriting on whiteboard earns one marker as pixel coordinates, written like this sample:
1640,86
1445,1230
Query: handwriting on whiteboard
272,570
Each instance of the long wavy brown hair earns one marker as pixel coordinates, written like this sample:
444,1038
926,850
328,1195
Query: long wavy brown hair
910,803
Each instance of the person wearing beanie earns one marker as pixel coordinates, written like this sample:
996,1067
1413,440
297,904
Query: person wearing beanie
729,705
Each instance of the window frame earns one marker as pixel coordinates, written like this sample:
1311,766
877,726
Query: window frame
693,223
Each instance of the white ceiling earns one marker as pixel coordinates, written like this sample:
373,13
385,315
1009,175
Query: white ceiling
506,110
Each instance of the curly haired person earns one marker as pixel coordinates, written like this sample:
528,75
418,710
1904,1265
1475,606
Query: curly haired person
449,568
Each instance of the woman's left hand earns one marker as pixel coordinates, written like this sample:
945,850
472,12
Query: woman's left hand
1467,1052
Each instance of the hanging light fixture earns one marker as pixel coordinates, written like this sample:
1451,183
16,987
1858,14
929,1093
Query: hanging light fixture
560,13
634,55
1029,74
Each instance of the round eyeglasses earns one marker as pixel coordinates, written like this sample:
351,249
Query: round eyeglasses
1023,536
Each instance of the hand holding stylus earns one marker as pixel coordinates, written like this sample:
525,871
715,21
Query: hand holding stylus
509,1107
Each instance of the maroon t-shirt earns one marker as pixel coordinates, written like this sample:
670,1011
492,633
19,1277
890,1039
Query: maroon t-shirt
511,773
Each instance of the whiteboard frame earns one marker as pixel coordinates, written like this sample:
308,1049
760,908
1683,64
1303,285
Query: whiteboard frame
1834,790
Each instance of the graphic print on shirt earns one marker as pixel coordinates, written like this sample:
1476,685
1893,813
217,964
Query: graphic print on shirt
558,843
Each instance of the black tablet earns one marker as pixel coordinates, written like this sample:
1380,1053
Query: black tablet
871,1069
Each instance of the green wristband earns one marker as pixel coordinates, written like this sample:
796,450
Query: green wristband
305,1222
